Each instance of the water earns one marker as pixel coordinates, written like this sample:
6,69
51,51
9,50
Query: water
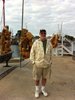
15,49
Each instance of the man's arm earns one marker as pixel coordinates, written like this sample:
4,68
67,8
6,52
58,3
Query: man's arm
32,53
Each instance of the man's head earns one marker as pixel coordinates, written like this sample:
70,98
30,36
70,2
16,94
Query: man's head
42,34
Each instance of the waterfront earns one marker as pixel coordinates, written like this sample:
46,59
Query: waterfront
15,49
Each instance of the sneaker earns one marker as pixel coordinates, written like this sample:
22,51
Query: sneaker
44,93
37,94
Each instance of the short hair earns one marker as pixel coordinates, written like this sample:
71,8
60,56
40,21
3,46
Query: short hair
42,30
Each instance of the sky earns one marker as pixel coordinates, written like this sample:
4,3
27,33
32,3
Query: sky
40,14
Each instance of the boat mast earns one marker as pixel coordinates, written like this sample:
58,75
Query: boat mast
22,14
22,20
3,13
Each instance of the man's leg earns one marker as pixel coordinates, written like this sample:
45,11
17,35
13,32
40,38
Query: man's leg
44,80
43,87
37,82
37,88
37,76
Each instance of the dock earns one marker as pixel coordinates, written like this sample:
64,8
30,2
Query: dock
19,84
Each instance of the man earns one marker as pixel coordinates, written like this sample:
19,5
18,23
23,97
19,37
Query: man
40,56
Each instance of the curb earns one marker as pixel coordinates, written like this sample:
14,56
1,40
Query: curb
5,71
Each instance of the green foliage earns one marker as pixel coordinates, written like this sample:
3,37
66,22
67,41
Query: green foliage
70,37
36,37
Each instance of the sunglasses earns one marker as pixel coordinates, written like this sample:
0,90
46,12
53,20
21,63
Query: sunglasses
43,33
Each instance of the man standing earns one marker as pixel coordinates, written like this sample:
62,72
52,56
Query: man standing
40,56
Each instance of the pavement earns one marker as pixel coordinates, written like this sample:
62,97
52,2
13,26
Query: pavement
19,84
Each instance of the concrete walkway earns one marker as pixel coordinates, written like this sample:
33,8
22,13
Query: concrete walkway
19,85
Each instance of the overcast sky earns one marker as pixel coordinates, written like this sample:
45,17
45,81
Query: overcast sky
41,14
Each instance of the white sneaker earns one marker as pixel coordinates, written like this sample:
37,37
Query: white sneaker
37,94
44,93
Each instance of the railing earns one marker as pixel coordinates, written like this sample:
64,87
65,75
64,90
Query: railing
62,49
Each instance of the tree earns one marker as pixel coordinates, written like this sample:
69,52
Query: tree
70,37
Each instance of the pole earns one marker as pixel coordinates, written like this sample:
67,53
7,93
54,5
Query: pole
1,23
62,39
22,14
22,25
3,13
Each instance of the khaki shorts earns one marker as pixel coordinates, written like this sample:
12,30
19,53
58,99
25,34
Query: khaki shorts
39,73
